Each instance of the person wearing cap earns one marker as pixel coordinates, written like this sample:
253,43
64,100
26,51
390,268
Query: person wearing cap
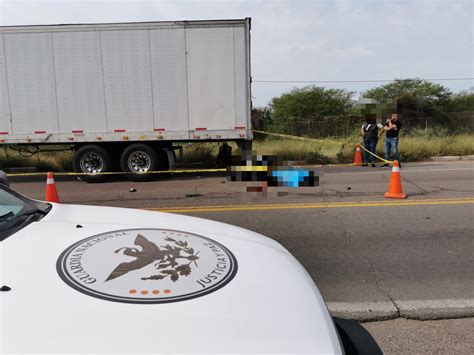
369,133
392,130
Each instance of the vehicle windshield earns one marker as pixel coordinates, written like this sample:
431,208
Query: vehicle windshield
10,206
17,212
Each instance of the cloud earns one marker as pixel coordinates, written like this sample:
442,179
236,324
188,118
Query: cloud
306,40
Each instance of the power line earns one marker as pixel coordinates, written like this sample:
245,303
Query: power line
352,81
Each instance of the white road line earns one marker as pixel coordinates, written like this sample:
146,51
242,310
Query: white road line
424,170
403,171
415,309
443,303
363,311
453,169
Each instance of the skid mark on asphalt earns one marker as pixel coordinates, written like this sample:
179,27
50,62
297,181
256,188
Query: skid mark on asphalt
441,188
423,190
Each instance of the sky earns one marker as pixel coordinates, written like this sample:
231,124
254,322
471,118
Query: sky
306,40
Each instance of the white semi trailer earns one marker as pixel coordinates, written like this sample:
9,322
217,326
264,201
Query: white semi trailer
120,94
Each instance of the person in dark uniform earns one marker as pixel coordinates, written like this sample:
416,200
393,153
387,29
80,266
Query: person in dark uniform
369,131
224,157
392,130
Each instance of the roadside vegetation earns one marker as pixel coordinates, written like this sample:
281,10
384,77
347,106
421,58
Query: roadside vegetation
336,151
45,161
413,147
318,112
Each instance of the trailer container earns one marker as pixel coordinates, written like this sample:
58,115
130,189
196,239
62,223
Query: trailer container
121,94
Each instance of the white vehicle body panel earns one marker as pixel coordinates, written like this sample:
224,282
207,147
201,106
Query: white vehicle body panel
30,74
170,82
79,75
5,124
270,306
125,82
205,72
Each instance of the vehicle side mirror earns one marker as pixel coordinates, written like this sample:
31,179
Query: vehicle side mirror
4,179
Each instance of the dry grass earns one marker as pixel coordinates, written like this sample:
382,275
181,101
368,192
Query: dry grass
315,152
45,161
325,151
419,148
414,148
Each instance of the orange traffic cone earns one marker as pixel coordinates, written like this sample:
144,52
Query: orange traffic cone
51,192
395,185
357,156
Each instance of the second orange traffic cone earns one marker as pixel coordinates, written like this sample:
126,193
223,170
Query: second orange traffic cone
51,192
357,156
395,185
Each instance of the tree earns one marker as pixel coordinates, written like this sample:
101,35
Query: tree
415,98
462,102
296,111
461,111
261,118
311,102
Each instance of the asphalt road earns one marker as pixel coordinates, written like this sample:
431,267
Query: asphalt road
420,180
404,336
371,258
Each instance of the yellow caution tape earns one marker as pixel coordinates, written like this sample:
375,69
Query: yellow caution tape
289,136
375,155
249,168
323,165
189,171
319,140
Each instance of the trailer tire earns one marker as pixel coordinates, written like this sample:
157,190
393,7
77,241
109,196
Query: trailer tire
92,159
137,160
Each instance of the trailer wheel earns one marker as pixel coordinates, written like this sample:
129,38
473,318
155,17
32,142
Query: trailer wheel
137,160
92,160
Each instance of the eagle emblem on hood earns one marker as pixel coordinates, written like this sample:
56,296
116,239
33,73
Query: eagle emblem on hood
172,260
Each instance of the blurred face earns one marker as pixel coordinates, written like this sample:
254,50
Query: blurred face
394,117
370,118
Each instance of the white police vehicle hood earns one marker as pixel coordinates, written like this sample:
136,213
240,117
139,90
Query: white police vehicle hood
109,280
